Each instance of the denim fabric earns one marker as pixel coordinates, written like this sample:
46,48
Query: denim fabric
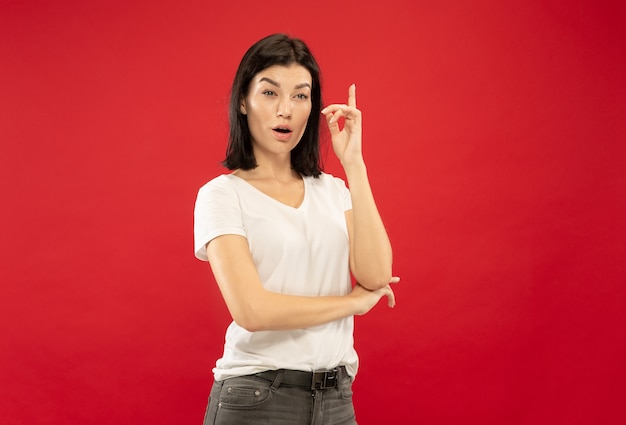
253,400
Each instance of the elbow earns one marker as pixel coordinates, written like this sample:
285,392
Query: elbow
374,285
375,281
373,274
250,320
249,311
249,326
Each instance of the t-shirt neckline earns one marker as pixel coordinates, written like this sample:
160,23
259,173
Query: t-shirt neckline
274,200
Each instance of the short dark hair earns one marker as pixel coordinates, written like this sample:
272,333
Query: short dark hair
276,49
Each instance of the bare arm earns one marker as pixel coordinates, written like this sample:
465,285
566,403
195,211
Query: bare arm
370,249
254,308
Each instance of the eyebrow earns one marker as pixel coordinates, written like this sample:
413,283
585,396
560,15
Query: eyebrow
274,83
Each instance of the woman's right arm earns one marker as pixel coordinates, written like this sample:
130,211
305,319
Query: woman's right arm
255,309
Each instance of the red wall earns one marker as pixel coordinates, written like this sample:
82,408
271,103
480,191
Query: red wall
495,138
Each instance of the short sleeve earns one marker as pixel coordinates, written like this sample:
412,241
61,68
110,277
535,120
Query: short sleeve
217,212
345,194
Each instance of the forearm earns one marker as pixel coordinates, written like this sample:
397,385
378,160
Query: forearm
255,308
371,254
274,311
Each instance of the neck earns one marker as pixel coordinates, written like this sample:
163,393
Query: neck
274,168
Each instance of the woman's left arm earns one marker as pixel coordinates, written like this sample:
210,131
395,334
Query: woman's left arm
370,249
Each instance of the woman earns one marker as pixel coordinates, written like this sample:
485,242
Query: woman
282,238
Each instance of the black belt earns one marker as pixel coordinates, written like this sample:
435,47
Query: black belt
312,380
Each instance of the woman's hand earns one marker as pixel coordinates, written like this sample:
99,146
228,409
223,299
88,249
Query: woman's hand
346,141
367,299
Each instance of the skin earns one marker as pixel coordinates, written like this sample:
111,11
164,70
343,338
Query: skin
279,97
370,249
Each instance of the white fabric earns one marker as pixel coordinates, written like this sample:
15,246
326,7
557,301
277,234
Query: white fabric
298,251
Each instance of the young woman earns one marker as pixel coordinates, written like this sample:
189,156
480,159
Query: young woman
283,239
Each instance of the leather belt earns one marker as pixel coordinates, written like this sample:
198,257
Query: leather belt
313,380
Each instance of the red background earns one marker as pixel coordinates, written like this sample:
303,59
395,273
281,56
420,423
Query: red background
494,133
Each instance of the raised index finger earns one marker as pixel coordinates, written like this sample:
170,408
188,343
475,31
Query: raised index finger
352,96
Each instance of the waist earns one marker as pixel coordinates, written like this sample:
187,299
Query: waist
319,380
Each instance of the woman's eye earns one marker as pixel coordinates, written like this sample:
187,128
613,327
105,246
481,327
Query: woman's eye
302,96
269,93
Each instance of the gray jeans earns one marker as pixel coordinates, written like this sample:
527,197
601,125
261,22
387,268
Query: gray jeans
254,400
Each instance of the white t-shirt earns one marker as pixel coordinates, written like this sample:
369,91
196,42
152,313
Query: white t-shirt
297,251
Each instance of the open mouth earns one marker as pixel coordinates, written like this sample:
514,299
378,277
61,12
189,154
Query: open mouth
282,130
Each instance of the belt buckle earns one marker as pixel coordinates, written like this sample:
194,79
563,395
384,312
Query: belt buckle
323,380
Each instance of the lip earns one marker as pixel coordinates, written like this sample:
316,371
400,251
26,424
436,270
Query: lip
285,134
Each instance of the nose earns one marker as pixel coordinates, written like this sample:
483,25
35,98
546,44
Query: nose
284,108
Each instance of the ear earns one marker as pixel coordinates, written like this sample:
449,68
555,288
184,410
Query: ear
242,107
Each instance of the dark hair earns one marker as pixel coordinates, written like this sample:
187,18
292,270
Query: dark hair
276,49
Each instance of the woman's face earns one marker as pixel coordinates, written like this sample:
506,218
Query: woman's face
277,107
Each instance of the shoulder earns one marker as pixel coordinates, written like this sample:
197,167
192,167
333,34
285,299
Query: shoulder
223,181
332,189
327,181
221,188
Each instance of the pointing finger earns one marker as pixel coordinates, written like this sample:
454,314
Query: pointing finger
352,95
